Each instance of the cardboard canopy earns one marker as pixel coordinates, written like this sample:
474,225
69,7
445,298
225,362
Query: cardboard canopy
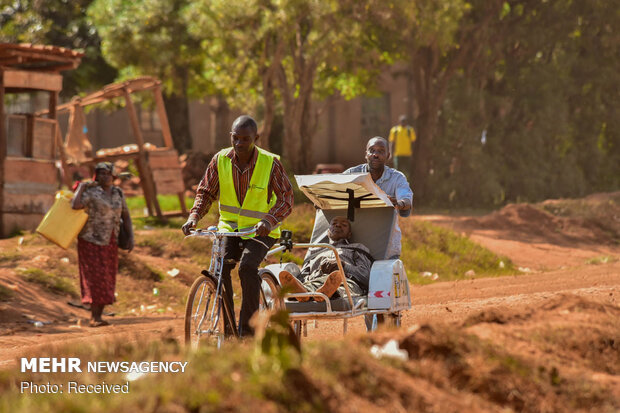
342,191
369,209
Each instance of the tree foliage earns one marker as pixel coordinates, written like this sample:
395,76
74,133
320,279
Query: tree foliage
296,51
542,93
439,41
511,99
149,37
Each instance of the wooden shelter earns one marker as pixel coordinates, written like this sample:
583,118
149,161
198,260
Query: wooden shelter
28,175
159,168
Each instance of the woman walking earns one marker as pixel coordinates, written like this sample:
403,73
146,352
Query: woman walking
98,241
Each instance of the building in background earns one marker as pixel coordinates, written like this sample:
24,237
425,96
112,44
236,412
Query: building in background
341,135
30,80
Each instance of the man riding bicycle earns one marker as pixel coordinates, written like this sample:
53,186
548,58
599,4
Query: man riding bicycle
253,191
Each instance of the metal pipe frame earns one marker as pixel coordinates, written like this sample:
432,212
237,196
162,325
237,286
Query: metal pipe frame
338,263
334,315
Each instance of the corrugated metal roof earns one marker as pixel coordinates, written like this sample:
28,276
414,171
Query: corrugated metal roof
28,56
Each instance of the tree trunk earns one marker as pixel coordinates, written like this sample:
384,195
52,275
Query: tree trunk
299,127
411,112
422,156
299,120
424,74
272,53
270,111
177,109
431,70
222,127
292,139
308,128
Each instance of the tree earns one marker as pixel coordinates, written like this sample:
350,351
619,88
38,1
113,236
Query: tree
297,52
149,37
439,41
594,112
541,91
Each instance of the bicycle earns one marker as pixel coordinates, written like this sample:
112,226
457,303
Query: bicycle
207,314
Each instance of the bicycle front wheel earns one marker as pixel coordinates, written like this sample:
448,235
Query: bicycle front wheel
204,313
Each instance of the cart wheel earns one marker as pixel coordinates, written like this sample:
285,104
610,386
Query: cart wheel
395,319
204,313
270,292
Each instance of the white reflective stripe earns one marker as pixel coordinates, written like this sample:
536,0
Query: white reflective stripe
243,212
252,214
231,209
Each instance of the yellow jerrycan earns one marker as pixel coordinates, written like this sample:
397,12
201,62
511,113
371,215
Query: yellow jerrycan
62,224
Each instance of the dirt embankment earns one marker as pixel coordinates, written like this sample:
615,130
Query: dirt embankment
561,355
545,340
550,235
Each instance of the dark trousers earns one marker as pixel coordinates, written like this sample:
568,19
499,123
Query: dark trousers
248,253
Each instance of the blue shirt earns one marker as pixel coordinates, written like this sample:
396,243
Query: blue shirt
393,183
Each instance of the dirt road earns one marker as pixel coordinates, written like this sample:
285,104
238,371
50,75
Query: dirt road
455,301
550,269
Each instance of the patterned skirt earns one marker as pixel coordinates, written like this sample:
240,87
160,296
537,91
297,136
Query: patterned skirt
98,267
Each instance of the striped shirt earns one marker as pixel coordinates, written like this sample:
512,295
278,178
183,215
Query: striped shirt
209,188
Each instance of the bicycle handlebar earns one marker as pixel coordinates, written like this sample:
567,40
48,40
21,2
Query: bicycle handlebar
212,232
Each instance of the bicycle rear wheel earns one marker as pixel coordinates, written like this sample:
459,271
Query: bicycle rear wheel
204,314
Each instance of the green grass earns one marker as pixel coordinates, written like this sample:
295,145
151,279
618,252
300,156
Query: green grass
300,222
137,204
269,374
51,281
9,258
210,383
425,247
288,257
36,239
170,243
148,296
154,222
134,267
5,293
166,242
429,248
602,260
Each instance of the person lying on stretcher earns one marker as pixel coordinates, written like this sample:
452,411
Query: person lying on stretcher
319,272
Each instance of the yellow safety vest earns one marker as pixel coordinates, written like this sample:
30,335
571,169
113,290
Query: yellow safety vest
255,206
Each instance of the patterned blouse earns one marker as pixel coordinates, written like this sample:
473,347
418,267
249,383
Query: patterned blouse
104,214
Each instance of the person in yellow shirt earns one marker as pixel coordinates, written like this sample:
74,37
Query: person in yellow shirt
402,137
